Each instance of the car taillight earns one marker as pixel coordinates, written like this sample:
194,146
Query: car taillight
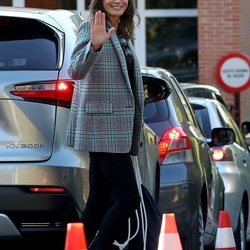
222,154
174,146
46,190
55,93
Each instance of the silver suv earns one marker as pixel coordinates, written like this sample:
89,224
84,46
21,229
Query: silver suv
44,184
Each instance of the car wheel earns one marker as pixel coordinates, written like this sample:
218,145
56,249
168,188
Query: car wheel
240,233
195,239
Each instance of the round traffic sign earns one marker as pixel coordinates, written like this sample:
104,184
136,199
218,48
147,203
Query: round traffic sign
233,72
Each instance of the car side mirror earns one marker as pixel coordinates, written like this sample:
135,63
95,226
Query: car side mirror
155,89
222,136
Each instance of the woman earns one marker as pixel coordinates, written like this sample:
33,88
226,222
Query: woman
106,116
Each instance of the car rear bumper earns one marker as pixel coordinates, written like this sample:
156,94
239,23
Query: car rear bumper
182,201
179,194
40,211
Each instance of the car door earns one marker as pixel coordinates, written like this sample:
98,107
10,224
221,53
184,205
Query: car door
148,159
208,167
241,148
201,144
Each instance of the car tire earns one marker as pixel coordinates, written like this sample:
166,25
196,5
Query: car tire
240,232
157,184
195,239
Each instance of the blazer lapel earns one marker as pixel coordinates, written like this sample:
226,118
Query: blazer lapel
118,49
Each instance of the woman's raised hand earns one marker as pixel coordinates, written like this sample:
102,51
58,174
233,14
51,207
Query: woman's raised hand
99,34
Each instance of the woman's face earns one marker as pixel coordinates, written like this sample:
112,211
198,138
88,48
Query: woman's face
115,9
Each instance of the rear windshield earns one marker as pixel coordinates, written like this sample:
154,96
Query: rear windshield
155,112
26,44
204,93
198,92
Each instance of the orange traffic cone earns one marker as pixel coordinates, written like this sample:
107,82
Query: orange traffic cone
224,235
169,237
75,237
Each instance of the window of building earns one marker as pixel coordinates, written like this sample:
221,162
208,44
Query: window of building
171,43
87,2
6,2
52,4
174,4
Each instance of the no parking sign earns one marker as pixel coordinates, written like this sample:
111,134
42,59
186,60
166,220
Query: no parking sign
233,72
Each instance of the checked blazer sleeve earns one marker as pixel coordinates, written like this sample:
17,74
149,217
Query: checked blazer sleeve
81,61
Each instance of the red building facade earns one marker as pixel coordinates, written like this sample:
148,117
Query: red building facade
223,27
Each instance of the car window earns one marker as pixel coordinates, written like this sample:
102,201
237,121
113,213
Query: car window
220,99
232,124
185,103
227,122
27,44
223,118
160,111
177,106
203,119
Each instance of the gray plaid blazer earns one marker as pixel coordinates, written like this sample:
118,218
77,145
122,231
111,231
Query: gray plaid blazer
105,115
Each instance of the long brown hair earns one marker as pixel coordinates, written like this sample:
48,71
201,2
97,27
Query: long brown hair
126,25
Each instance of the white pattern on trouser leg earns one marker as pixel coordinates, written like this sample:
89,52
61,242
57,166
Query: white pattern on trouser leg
143,214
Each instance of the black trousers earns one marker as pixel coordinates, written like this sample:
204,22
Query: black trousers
112,199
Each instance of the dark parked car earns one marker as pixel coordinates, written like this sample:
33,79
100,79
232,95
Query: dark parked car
190,185
43,184
233,163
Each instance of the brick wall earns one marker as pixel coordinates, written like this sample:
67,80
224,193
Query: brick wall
223,27
245,48
52,4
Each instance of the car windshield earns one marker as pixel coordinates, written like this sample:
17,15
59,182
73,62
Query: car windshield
26,44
